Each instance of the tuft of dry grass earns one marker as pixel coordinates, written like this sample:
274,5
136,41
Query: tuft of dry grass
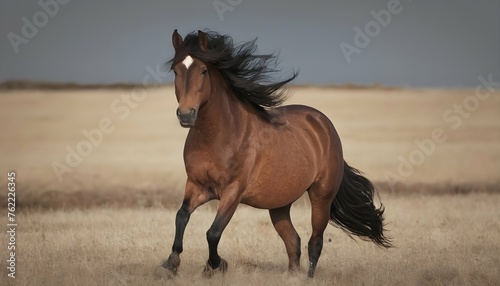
440,240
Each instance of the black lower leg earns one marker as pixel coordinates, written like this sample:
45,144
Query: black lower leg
213,238
225,211
181,220
314,248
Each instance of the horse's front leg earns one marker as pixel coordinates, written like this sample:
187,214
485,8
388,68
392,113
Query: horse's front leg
227,206
193,198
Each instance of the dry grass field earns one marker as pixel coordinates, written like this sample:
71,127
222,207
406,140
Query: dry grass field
108,219
440,240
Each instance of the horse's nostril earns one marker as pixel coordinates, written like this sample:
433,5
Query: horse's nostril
192,112
178,112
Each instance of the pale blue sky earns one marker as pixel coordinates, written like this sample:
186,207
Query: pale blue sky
444,43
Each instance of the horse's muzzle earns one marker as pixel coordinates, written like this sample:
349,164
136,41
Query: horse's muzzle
187,119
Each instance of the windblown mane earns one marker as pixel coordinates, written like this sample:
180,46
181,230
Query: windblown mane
248,75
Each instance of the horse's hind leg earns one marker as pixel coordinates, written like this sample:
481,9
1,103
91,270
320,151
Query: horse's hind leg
320,208
283,225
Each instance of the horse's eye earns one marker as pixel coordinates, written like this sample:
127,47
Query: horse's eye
204,72
175,73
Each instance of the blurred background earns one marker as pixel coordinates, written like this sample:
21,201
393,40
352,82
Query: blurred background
420,44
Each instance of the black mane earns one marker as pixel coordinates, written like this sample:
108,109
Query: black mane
248,75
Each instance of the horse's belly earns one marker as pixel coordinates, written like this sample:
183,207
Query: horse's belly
277,186
262,200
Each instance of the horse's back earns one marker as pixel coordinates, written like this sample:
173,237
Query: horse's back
313,122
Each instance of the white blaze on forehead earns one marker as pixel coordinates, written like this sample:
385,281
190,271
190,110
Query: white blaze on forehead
187,61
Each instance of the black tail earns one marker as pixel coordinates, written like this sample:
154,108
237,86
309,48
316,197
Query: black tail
353,209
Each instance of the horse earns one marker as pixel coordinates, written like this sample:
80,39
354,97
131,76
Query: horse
244,147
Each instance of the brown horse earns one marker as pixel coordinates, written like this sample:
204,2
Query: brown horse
243,148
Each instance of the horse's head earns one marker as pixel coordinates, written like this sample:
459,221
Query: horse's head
192,80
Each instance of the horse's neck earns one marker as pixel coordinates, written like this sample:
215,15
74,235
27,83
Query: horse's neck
223,116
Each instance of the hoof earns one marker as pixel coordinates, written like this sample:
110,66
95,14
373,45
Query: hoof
169,268
209,271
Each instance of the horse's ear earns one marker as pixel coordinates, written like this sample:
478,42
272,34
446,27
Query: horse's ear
203,40
176,40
